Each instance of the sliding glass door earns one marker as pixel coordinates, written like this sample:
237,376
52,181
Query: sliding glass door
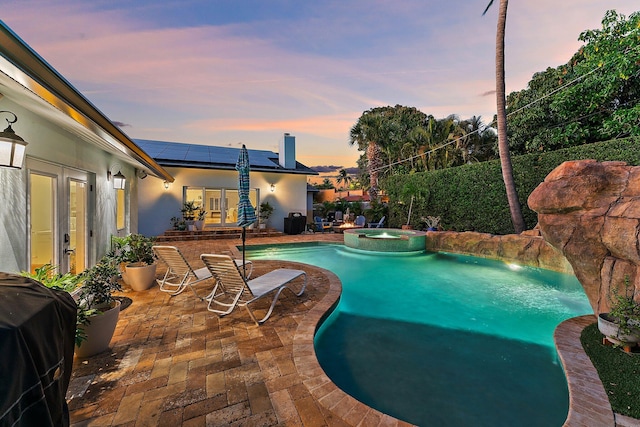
220,204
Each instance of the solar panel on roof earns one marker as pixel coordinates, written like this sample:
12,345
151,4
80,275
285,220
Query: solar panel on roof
224,157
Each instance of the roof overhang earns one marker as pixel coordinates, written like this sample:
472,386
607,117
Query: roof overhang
213,166
32,83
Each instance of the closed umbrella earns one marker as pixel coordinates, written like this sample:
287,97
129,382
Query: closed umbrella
246,211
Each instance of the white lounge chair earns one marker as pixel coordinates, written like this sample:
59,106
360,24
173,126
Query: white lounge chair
180,274
232,290
377,224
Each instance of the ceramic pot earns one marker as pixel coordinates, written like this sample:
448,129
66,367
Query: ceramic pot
141,276
611,331
99,332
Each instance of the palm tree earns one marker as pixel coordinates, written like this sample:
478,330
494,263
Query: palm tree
503,145
367,133
344,178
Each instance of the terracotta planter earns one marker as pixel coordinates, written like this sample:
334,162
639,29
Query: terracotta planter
99,332
141,276
407,227
610,330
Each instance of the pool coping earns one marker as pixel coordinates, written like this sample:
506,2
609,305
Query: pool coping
327,394
588,402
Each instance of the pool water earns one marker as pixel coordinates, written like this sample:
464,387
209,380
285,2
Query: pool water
444,340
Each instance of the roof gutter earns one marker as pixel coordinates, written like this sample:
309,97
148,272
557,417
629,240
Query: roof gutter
30,63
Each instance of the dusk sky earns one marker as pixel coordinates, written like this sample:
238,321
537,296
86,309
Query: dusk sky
230,72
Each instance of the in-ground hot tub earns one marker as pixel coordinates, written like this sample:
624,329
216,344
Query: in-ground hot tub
385,240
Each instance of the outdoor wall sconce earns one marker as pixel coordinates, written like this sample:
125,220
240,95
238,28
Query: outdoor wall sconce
12,147
273,188
119,180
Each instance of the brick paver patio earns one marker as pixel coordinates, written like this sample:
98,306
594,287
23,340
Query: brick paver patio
173,363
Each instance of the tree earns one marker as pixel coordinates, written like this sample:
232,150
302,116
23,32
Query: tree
344,178
368,134
383,133
503,146
326,185
593,97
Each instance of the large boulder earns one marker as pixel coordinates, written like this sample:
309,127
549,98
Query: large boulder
590,211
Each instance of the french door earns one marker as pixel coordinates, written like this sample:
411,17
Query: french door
60,200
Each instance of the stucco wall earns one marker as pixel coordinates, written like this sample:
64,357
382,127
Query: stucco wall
52,144
156,205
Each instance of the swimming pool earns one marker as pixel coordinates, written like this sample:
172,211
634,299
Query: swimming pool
441,339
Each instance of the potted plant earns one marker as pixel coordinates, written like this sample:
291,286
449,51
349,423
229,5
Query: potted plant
48,276
188,210
134,254
98,311
621,325
199,222
178,224
266,210
431,222
93,291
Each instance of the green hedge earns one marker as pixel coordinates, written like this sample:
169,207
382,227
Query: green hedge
473,198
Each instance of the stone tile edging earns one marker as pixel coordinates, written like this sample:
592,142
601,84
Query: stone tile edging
327,394
588,401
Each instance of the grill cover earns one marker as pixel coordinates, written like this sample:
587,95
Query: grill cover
295,223
37,332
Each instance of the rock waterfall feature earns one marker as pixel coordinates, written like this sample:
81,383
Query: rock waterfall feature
590,211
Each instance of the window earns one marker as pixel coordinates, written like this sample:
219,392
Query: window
120,210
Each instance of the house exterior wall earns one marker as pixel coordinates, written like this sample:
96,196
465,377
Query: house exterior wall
52,144
156,205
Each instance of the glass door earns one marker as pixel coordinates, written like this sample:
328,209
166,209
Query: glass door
231,199
59,201
213,206
42,215
76,239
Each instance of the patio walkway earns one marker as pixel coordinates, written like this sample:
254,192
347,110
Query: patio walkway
173,363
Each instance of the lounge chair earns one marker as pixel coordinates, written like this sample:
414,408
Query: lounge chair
377,224
360,221
180,274
322,225
230,286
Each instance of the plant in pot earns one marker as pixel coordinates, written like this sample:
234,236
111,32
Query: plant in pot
48,275
430,222
141,266
621,325
134,254
199,221
266,210
98,310
178,224
188,210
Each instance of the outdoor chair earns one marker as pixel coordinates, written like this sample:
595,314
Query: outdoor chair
322,225
360,221
180,274
377,224
232,290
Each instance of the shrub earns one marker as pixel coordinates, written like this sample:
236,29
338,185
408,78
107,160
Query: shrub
473,198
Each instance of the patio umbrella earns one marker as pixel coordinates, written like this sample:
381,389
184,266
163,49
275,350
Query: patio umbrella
246,211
